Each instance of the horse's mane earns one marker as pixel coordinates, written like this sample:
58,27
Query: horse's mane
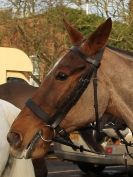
14,79
125,52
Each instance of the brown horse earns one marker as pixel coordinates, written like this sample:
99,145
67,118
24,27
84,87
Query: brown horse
65,98
17,91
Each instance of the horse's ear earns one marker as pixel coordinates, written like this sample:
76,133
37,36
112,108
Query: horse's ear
99,38
75,36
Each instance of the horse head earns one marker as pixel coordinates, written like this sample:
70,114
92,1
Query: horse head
59,101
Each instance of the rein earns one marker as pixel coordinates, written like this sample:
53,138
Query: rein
73,97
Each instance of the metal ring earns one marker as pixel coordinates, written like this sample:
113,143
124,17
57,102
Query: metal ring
45,140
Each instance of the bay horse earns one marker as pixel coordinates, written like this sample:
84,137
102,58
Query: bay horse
10,166
17,91
65,99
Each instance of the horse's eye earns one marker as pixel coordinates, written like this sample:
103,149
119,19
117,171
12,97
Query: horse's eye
61,76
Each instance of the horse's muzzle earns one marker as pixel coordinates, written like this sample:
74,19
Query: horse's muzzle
14,139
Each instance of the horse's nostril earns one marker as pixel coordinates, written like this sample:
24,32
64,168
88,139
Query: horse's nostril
14,138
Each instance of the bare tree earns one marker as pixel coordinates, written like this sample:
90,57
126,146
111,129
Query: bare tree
116,9
36,26
130,11
40,35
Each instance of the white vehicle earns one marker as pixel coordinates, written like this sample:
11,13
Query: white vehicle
14,63
113,152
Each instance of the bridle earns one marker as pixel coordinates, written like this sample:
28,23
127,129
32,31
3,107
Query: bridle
73,97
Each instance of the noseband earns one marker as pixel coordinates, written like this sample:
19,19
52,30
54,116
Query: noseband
74,96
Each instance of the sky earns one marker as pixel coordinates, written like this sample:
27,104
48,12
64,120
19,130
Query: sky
4,3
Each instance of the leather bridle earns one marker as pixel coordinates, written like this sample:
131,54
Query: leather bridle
74,96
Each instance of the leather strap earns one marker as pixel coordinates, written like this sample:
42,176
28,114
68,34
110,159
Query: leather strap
38,111
73,97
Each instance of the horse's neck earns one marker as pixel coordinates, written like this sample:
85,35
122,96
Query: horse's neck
114,94
118,75
16,93
19,168
4,146
8,113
